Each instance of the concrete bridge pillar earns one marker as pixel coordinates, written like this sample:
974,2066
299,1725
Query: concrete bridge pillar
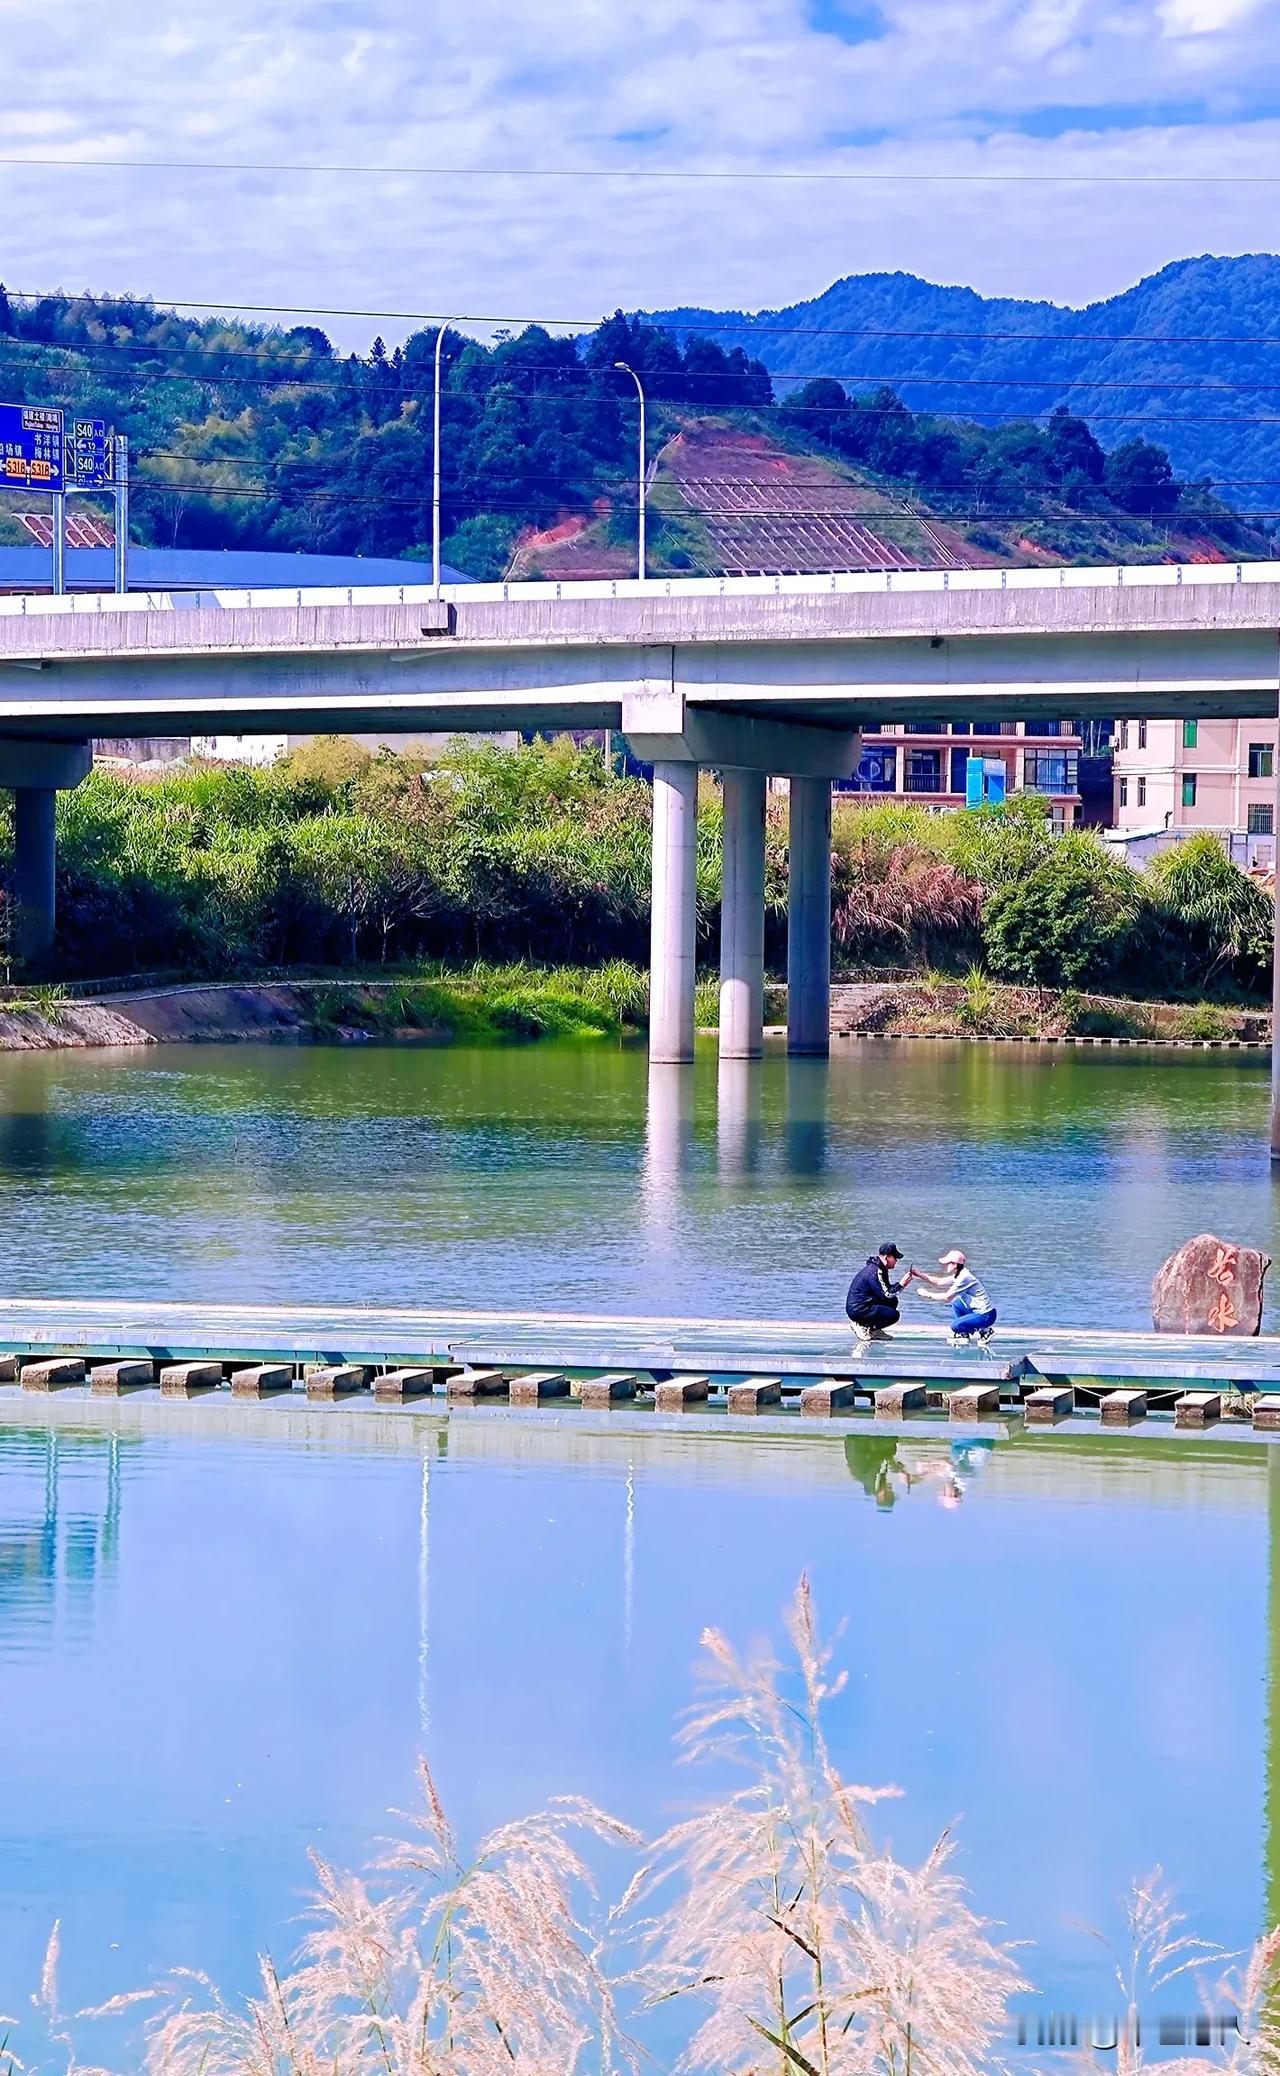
809,918
742,917
37,772
35,862
673,931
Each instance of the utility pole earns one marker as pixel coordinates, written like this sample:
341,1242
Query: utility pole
122,513
625,368
59,507
435,467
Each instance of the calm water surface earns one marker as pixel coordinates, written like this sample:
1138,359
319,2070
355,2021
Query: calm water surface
224,1638
547,1177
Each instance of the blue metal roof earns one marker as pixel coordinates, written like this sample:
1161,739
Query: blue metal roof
211,569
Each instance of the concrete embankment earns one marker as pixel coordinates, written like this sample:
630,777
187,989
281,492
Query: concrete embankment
354,1011
281,1013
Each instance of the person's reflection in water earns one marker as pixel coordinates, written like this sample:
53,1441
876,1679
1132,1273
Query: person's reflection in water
890,1467
871,1459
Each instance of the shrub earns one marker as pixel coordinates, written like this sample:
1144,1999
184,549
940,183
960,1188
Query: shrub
1205,1020
1218,921
1068,920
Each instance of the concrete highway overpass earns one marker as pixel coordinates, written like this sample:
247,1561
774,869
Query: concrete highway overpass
751,675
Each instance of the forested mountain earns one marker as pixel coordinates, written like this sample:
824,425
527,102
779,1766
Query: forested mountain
248,435
1189,358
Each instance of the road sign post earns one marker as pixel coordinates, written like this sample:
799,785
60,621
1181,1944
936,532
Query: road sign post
122,512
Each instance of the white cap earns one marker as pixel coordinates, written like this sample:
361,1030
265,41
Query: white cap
952,1259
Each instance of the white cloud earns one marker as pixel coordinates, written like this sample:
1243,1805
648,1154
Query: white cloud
953,87
1204,17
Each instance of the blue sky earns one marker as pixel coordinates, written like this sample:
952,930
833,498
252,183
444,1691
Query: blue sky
891,88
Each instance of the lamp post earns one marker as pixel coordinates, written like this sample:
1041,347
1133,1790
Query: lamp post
625,368
435,467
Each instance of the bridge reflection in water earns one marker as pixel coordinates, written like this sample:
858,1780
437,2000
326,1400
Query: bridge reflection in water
60,1497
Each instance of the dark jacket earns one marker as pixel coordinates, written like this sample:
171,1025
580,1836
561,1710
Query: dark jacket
871,1286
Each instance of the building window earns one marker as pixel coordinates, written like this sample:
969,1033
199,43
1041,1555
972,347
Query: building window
1124,792
1142,792
1189,789
877,769
1190,734
960,727
1142,735
1261,760
1262,821
924,728
986,728
924,771
1047,728
1124,735
1051,771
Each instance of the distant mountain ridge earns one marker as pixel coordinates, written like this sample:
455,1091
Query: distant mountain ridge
1148,362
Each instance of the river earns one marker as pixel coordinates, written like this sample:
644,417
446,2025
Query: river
222,1643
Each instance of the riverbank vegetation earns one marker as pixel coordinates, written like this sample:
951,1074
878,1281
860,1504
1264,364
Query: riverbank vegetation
768,1930
538,856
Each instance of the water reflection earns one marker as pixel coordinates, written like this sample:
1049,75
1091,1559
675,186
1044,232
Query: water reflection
527,1595
807,1098
59,1528
889,1467
739,1118
500,1177
668,1145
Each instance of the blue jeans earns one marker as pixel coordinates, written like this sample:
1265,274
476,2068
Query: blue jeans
965,1322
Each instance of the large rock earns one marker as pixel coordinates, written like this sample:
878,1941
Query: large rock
1210,1286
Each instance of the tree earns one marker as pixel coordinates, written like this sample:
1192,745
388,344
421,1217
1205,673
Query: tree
1071,447
1139,478
1067,921
819,408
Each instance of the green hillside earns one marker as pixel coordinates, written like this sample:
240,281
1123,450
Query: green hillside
1189,358
247,435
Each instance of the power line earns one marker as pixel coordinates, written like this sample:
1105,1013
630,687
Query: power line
300,466
755,174
287,375
724,325
990,513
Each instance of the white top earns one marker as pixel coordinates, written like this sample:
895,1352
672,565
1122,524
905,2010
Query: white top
964,1284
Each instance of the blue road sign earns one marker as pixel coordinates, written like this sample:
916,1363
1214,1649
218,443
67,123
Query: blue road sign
31,447
90,455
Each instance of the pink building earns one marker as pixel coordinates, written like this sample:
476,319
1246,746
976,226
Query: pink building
1182,775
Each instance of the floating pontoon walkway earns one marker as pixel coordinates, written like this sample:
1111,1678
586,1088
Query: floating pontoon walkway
1047,1374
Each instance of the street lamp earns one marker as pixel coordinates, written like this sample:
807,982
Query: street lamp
624,368
435,467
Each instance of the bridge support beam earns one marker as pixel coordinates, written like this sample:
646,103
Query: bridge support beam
742,917
37,772
35,866
673,929
809,918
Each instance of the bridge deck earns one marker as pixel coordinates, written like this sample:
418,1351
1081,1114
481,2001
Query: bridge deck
797,1351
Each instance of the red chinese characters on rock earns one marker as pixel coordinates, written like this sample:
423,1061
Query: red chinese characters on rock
1210,1286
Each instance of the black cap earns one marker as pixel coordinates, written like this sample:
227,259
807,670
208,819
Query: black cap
889,1248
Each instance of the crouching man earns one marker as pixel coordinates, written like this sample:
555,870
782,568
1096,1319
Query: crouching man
872,1303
